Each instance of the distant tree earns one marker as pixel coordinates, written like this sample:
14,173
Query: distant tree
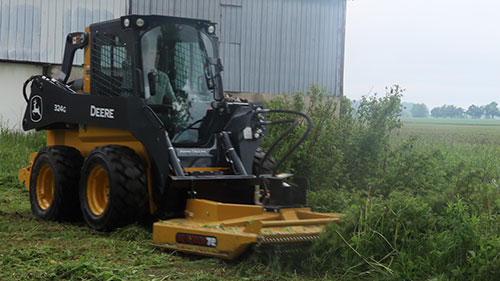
447,111
491,110
419,110
475,111
407,106
438,112
458,112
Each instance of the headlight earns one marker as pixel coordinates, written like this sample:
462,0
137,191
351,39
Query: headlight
211,29
139,22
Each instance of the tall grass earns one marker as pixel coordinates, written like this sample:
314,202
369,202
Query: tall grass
421,202
15,148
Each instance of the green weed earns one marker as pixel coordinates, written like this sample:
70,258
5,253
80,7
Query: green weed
421,200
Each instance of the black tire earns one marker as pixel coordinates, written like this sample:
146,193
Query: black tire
267,167
118,169
54,183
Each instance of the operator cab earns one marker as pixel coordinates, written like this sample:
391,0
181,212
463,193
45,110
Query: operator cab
176,74
174,67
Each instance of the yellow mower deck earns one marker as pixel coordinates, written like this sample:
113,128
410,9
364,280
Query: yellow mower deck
227,230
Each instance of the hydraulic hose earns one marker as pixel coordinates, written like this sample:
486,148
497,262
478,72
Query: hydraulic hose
294,122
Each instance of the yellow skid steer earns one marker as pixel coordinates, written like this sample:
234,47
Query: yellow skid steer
149,132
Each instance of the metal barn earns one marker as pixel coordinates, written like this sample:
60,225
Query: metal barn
267,46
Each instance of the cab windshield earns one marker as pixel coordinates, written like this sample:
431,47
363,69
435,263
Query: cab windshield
175,66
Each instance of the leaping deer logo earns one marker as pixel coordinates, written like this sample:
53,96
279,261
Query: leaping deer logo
36,109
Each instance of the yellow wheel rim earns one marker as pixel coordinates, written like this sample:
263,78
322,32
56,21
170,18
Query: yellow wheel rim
97,190
44,187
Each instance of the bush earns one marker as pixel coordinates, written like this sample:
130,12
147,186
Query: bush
414,210
340,152
382,237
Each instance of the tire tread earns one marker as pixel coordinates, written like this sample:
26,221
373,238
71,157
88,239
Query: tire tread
127,176
66,162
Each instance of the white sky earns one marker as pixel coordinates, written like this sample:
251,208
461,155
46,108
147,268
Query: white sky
440,51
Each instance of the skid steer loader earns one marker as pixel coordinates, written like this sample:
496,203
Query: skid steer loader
148,131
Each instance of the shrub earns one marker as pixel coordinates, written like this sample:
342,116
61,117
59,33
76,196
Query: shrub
380,238
340,152
414,210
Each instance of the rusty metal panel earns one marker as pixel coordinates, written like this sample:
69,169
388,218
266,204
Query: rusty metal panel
35,30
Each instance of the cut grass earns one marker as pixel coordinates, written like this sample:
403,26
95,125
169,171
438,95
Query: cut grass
33,249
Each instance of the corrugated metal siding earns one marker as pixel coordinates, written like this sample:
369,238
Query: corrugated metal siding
34,30
267,46
230,32
270,46
201,9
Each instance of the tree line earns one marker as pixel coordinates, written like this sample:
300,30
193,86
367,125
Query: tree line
420,110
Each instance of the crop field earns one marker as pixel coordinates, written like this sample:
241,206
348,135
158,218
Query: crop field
451,132
453,121
423,206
